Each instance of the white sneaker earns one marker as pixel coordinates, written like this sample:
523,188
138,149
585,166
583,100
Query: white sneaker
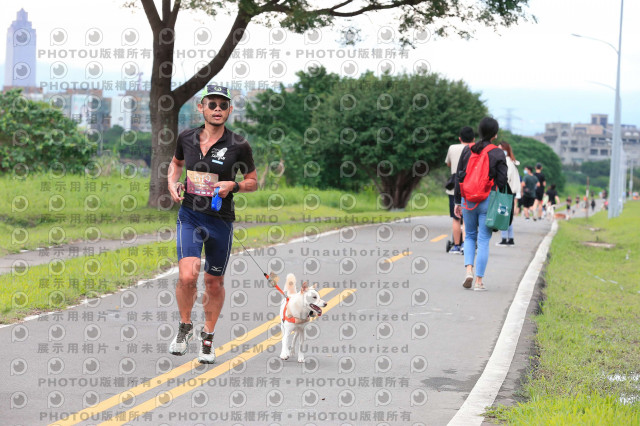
180,343
207,354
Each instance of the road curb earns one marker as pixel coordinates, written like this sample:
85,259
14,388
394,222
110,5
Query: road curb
488,385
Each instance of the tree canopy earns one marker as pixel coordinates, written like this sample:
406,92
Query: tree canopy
280,125
391,128
411,18
34,136
529,152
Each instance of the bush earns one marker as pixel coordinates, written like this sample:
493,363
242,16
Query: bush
34,136
529,151
128,144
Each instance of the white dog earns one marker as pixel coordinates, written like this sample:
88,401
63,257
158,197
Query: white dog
296,311
551,212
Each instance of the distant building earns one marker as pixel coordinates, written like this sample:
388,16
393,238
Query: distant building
88,108
135,107
577,143
20,62
241,102
238,100
189,117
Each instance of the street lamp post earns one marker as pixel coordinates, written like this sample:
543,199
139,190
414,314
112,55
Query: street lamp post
615,189
617,136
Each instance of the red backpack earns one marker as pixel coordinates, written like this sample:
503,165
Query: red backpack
477,185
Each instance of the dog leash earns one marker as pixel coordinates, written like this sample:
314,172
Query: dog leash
271,279
216,204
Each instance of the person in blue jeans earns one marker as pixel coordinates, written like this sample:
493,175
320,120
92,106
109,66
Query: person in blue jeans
477,235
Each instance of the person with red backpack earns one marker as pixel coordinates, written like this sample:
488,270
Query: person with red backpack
482,166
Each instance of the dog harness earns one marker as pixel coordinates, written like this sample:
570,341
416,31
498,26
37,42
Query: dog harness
291,319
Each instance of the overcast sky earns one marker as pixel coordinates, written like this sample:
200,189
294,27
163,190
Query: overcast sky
538,70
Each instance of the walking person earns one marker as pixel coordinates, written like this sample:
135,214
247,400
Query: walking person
482,167
554,200
529,185
542,183
513,179
212,155
465,137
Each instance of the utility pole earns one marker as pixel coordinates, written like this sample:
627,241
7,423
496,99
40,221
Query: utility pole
616,188
615,202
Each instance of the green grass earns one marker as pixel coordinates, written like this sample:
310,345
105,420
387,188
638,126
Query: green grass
45,210
580,409
93,207
588,330
573,189
59,284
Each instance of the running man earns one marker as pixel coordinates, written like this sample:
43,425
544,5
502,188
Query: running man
212,155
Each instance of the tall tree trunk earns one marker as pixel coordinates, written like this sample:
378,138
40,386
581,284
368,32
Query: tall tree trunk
164,119
163,142
165,103
397,189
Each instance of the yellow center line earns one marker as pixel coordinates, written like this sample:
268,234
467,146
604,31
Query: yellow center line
167,396
117,399
439,237
397,257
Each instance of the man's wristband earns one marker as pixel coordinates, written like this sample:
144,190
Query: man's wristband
236,187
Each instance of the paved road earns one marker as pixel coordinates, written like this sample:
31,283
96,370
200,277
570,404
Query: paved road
400,342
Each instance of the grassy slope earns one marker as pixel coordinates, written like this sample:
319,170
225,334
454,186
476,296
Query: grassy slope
104,207
271,216
589,328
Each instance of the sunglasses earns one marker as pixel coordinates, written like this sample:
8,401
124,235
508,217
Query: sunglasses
213,105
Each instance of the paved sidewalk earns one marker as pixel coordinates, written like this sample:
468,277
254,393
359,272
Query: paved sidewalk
395,341
84,248
69,251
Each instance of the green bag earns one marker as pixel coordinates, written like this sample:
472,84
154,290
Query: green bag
499,210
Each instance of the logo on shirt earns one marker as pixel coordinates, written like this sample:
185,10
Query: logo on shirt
218,155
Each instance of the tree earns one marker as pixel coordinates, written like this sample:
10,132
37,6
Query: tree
128,144
393,128
39,137
443,16
529,152
595,169
284,118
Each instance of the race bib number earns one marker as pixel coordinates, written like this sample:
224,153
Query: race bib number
201,183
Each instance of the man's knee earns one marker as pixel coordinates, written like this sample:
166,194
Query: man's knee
187,279
213,283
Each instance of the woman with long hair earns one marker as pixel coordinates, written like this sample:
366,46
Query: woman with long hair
474,215
513,179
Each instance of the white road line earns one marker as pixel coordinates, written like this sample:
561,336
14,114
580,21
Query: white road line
488,385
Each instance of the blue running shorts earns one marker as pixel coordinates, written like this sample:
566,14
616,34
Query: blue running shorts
195,229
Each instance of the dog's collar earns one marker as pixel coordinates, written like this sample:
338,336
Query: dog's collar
292,319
